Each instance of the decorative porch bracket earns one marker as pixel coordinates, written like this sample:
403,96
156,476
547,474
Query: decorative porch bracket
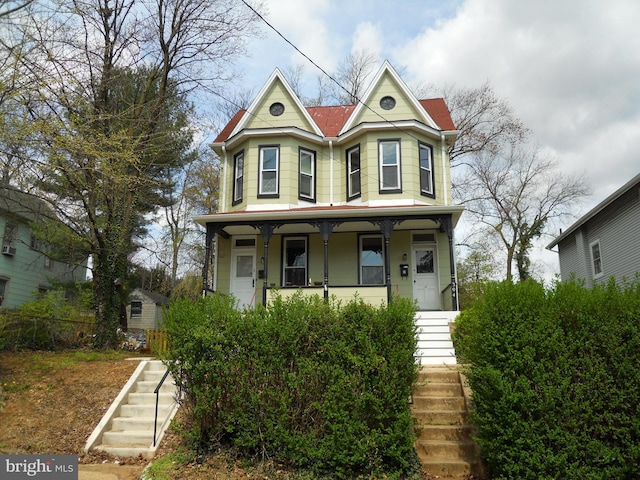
446,225
326,229
386,227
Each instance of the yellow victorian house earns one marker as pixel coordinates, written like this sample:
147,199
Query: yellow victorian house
337,200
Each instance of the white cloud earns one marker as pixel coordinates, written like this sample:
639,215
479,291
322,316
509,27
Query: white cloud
569,68
368,37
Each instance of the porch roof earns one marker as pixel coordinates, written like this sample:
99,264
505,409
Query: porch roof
351,218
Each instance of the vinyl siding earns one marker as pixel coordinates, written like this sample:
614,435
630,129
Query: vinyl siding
26,271
617,228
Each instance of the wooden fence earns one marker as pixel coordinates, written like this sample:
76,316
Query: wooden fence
156,341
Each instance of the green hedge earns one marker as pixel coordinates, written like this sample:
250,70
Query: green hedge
308,382
555,376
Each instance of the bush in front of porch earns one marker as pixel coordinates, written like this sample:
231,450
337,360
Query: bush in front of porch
315,384
555,379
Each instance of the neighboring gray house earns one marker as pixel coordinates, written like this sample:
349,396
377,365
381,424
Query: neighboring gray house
144,310
605,242
29,266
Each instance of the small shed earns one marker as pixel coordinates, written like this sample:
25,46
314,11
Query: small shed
144,310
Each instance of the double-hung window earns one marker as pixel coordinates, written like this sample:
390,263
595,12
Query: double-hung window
353,172
371,260
294,265
238,178
307,178
596,259
426,170
389,162
269,171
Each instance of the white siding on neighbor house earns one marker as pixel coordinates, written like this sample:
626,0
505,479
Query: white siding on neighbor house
617,229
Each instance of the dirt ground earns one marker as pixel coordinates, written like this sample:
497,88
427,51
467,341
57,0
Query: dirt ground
51,405
51,402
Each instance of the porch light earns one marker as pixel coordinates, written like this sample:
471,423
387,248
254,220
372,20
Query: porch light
404,256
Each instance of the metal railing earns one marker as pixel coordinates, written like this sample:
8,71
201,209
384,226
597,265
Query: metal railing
157,392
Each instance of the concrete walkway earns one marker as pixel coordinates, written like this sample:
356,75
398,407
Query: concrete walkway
110,471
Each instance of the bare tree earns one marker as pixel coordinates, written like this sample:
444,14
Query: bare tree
486,122
518,195
352,76
9,7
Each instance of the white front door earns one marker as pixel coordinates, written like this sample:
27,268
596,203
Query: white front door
243,277
425,279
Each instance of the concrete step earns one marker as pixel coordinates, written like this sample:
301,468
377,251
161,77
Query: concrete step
447,449
438,390
449,433
445,404
444,438
148,386
127,410
134,423
134,438
456,469
145,398
127,429
125,451
439,417
438,375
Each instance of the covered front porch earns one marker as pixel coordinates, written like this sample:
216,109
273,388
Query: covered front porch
372,252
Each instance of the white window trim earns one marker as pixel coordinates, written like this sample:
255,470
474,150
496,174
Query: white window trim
381,166
261,192
593,263
360,265
350,172
312,175
238,193
428,148
285,240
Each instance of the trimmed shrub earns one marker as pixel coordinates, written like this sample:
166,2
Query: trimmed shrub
305,381
556,380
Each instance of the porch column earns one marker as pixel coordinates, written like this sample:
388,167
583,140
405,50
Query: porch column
212,230
447,225
326,229
207,259
386,227
266,230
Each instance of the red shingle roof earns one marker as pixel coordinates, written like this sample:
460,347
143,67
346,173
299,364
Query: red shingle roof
437,109
330,120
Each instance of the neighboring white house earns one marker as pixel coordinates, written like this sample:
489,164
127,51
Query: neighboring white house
145,310
605,242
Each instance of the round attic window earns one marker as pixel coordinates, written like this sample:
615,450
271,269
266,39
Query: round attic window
276,109
387,103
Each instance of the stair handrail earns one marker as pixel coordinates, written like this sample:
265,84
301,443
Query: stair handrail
157,392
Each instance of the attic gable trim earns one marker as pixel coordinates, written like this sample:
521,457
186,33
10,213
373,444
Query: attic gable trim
364,101
268,132
401,127
276,75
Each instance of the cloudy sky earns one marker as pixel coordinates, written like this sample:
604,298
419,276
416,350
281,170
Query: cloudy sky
570,68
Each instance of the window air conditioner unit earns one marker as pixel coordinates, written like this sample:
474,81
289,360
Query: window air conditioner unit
7,250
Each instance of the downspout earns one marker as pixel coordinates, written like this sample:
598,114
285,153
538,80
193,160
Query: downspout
331,172
443,152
